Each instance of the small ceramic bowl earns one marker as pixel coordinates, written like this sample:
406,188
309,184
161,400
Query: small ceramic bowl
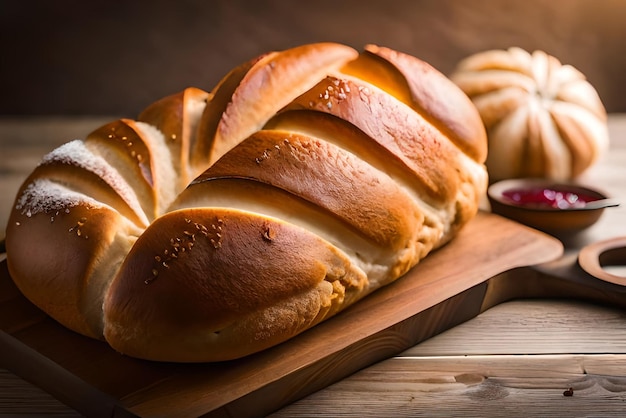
550,206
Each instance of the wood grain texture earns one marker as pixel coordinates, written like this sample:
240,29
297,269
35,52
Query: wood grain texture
19,397
527,331
432,297
508,361
455,373
572,328
486,386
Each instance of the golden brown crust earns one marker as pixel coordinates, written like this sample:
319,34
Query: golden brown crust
328,177
439,101
125,148
221,98
74,166
346,136
253,93
424,150
219,255
65,255
177,117
318,182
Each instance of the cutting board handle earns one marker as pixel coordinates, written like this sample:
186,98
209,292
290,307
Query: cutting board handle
612,252
579,276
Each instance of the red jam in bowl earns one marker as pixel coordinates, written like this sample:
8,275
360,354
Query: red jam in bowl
548,198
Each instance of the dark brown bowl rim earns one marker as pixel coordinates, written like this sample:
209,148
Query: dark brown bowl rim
495,190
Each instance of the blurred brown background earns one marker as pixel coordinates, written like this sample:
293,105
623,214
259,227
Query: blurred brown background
71,57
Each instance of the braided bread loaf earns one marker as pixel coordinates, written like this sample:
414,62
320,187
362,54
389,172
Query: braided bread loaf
543,118
219,224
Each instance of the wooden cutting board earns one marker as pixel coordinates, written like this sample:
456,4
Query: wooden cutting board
450,286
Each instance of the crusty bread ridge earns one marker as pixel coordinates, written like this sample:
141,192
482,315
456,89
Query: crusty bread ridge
223,222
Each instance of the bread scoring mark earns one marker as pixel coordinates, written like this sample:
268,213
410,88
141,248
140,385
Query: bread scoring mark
180,245
132,150
76,153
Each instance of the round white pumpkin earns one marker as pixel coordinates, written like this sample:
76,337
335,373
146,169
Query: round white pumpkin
543,118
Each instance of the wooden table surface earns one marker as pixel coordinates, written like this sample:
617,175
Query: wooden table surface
516,359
